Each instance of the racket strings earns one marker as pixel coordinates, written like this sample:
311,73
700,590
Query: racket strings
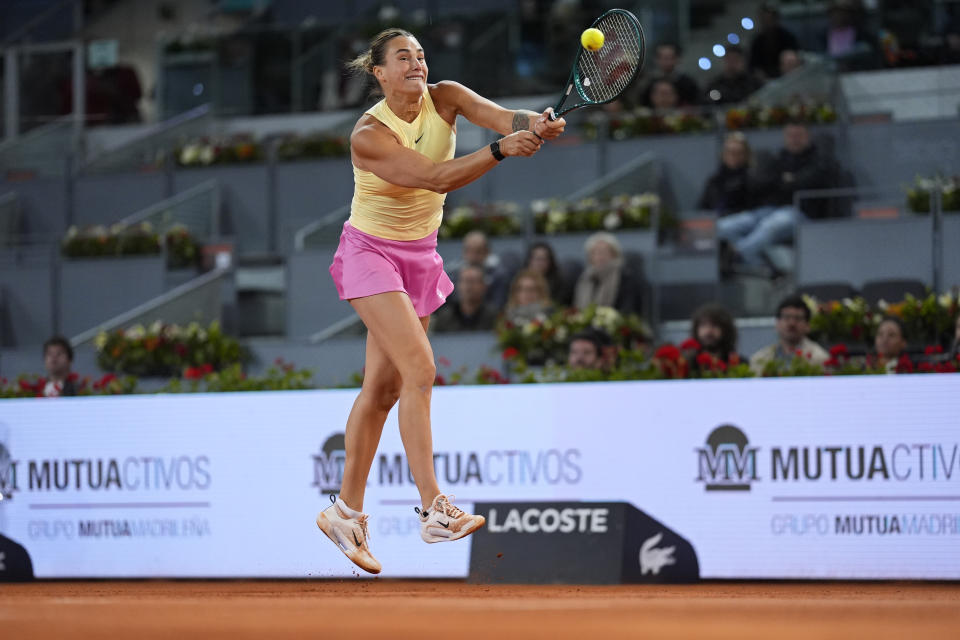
605,73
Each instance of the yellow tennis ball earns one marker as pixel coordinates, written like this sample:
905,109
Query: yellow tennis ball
591,39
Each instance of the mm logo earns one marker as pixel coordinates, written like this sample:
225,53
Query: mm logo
727,463
328,465
8,474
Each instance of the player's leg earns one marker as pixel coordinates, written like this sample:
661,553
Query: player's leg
380,391
391,319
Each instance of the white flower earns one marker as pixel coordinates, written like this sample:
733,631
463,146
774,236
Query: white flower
207,155
530,328
190,154
135,332
539,206
156,328
556,217
946,300
882,304
100,341
561,334
611,221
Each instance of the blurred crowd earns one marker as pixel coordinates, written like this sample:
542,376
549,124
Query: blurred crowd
487,296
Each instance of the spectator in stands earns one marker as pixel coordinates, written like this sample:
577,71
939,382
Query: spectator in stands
789,60
667,60
793,325
955,350
585,351
664,95
890,343
529,298
731,188
476,252
735,83
950,53
540,258
713,328
604,282
771,40
57,360
846,39
800,165
469,311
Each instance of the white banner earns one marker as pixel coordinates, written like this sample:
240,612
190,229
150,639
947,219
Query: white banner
853,477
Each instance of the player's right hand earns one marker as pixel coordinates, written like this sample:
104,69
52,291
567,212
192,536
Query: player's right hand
520,143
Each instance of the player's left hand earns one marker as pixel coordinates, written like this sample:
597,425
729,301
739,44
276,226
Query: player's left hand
546,128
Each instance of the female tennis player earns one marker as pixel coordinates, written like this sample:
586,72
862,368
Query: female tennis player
388,269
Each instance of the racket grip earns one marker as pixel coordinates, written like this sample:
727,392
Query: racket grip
552,116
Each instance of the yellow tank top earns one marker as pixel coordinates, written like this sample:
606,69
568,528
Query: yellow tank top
403,213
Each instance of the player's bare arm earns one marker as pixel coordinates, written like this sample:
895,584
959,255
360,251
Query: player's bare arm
375,149
453,99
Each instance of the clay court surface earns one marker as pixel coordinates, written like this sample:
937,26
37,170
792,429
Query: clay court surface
406,609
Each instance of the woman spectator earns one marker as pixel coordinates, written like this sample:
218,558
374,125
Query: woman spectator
541,258
529,298
604,282
890,343
731,189
955,349
715,333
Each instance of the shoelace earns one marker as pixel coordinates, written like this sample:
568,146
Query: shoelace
362,521
446,505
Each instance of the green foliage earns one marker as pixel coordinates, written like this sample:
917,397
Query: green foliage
166,350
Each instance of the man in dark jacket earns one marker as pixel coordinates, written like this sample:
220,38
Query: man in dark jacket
735,83
667,60
797,167
771,40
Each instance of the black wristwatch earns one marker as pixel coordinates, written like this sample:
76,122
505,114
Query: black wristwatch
495,150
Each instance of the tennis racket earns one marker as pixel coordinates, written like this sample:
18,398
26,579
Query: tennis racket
601,76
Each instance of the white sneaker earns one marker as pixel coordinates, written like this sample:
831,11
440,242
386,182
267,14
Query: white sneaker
349,534
443,521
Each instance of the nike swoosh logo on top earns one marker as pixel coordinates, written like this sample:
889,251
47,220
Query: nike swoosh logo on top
444,524
418,139
357,540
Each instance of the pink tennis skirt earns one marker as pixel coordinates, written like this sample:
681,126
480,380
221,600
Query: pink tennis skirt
365,265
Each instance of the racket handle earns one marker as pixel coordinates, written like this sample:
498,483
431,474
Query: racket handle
552,116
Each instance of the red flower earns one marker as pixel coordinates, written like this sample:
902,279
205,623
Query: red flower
181,349
25,386
734,359
206,368
667,352
104,381
443,362
904,365
933,350
831,362
856,332
721,365
705,360
926,367
839,350
73,377
690,344
193,373
440,381
510,353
